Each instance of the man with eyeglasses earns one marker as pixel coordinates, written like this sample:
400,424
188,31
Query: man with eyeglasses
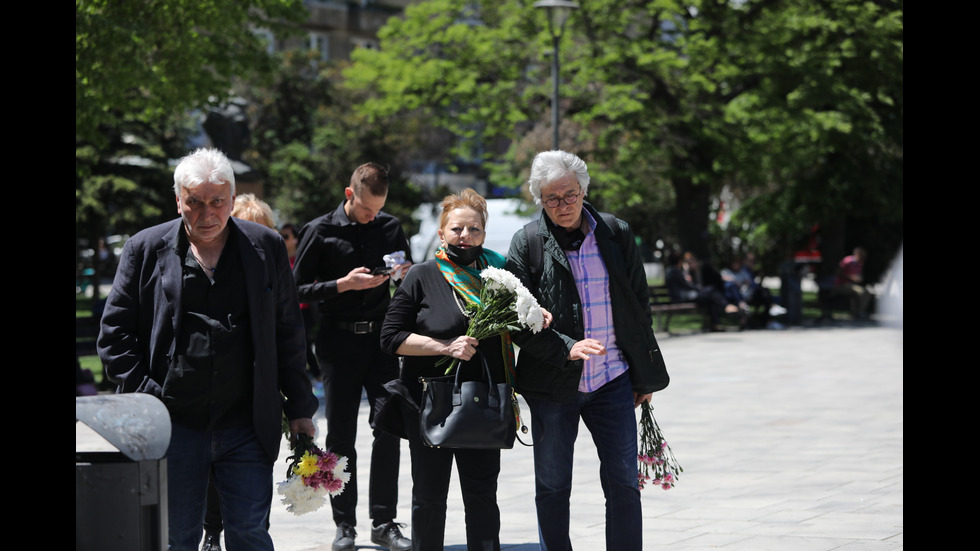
335,258
598,360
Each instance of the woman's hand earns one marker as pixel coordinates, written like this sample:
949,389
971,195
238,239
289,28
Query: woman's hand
547,318
462,347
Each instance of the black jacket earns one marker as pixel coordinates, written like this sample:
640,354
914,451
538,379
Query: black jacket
144,308
543,368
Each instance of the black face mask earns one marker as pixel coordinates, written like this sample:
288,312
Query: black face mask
463,256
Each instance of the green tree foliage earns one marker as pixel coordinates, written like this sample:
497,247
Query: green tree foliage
141,68
823,122
150,59
308,138
794,106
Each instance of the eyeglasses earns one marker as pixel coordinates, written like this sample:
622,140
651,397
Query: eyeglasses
568,200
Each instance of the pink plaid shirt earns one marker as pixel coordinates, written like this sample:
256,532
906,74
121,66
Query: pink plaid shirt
592,281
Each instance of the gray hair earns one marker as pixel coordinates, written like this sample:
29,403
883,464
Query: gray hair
549,166
203,166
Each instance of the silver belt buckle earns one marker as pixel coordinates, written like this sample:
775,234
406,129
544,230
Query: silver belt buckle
362,327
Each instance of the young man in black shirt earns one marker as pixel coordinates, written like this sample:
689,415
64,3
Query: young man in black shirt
336,255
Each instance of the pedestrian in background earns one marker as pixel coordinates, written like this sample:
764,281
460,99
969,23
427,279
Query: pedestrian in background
849,282
311,317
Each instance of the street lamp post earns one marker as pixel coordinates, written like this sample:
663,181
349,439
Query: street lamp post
558,13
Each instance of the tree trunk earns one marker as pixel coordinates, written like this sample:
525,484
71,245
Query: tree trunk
692,217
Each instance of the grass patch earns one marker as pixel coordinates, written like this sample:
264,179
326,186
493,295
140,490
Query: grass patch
93,364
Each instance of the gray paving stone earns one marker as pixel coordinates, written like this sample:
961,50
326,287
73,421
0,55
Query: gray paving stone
790,440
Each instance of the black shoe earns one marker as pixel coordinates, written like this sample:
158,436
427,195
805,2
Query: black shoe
388,535
345,538
212,542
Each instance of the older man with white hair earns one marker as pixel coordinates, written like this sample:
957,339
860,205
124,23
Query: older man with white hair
203,314
599,358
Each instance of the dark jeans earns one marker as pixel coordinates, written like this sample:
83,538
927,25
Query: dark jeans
609,415
478,471
242,476
212,515
352,364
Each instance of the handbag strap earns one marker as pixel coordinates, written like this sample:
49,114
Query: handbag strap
457,388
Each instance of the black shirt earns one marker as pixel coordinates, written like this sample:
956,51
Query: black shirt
330,247
209,383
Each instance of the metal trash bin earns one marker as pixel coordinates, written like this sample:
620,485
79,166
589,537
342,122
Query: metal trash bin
121,497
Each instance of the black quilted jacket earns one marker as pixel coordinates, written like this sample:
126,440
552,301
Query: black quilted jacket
543,369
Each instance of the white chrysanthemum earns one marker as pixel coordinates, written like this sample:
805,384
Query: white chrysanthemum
300,498
528,311
338,470
497,279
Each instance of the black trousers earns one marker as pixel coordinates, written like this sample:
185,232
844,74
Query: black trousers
478,471
351,365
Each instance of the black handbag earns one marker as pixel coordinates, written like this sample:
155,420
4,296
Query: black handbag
467,414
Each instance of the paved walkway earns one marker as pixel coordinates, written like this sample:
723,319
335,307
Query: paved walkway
790,440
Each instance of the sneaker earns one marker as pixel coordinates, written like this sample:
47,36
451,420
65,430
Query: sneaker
388,535
775,325
776,310
212,542
345,537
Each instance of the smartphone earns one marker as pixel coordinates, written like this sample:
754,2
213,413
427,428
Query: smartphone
383,270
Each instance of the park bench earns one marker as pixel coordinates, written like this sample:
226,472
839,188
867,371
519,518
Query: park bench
830,302
663,309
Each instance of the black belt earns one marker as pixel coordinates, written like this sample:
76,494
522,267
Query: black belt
357,327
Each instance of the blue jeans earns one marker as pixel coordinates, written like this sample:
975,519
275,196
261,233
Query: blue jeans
609,415
242,476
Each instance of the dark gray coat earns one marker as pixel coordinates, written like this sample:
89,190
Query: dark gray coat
543,369
144,307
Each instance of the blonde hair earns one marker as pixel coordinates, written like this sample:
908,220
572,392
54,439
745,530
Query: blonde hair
249,207
466,199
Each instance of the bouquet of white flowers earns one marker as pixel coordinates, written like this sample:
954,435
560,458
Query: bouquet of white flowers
505,305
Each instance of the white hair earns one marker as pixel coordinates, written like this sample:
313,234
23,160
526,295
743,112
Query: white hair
203,166
549,166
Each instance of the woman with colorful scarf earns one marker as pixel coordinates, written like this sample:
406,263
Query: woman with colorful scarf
426,322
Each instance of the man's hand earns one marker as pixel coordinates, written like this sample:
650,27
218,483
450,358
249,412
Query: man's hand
301,426
640,398
359,279
586,348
